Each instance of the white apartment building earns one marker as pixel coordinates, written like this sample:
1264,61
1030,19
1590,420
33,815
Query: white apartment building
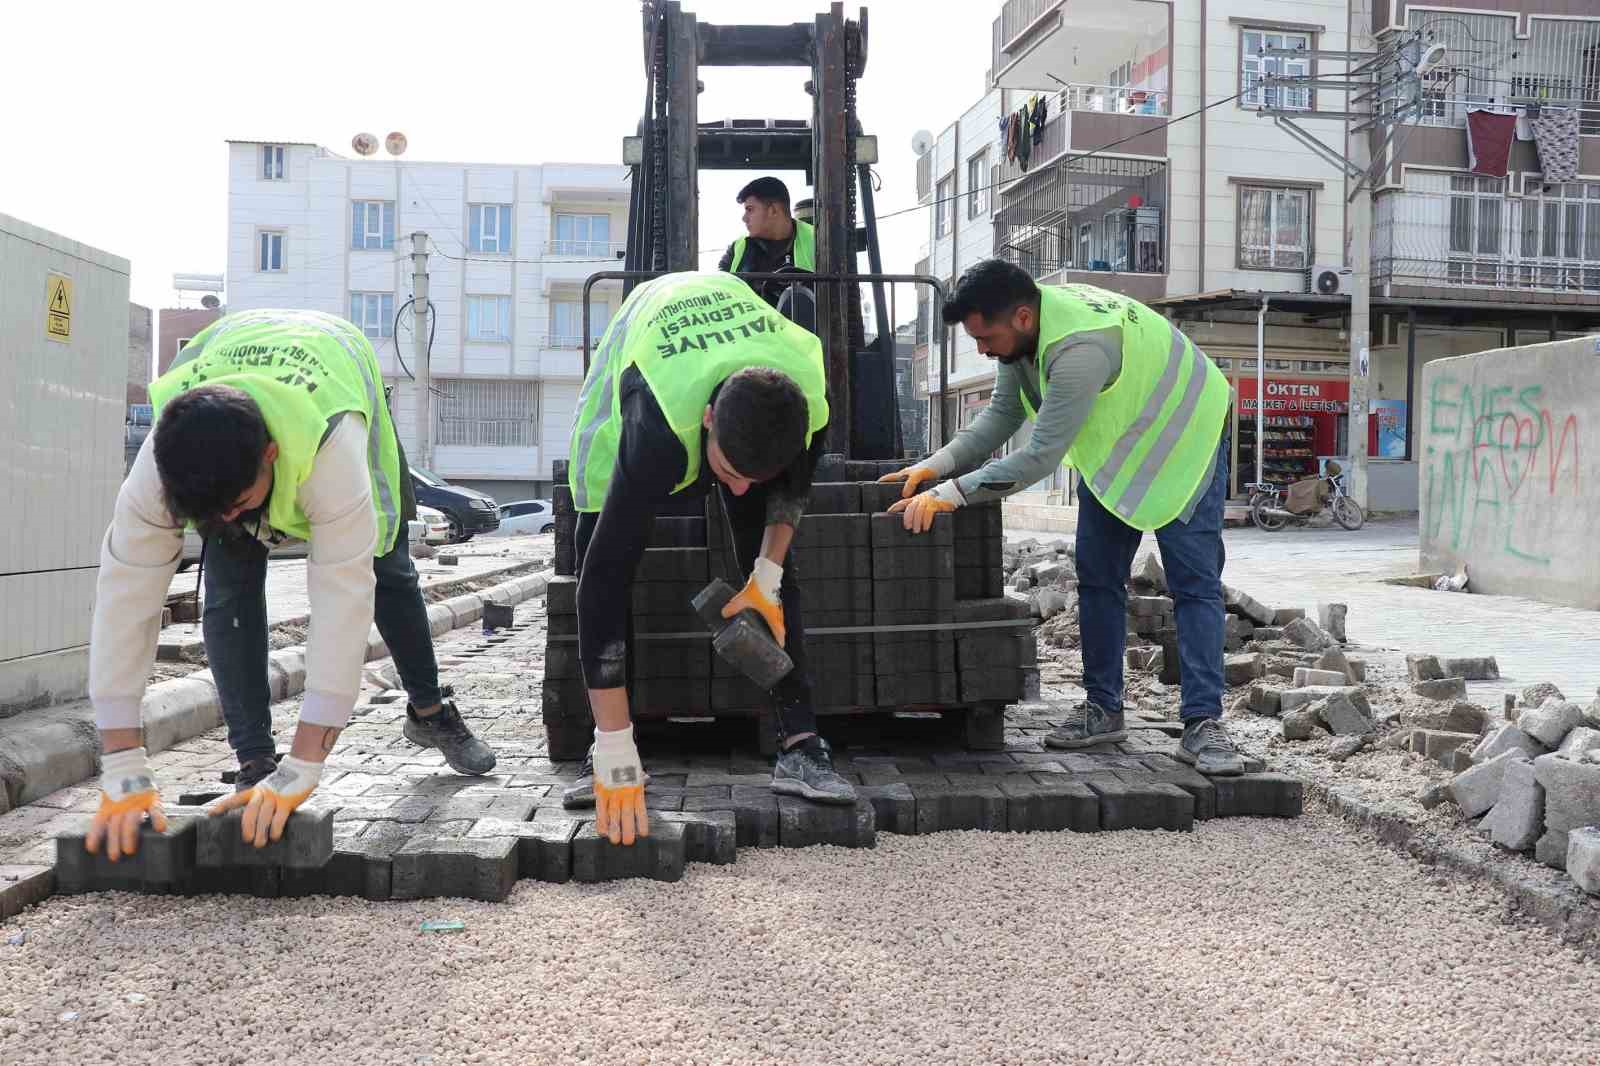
509,250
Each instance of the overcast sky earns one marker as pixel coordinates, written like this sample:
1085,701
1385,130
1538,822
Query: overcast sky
113,124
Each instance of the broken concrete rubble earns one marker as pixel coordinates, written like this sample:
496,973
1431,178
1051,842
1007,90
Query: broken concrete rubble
1305,676
1571,801
1344,717
1424,668
1444,688
1506,738
1483,668
1460,718
1517,819
1583,858
1549,724
1242,604
1580,740
1307,634
1536,695
1335,660
1478,789
1304,723
1331,617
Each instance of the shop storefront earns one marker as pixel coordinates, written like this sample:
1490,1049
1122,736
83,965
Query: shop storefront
1305,420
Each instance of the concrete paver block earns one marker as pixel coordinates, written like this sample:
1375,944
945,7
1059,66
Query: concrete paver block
307,841
942,806
1305,676
657,857
1345,717
1442,688
1583,858
802,823
544,846
1198,785
1424,668
1242,669
1144,806
1571,799
1582,739
1304,723
1335,661
893,805
22,886
1331,617
1284,615
1242,604
1308,635
1479,668
431,865
1262,795
755,811
1478,789
1295,698
1536,695
1441,745
1517,820
1034,807
164,862
1549,724
1507,738
1460,718
363,865
708,836
1266,700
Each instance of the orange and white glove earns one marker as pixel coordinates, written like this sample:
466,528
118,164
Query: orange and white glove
760,594
267,806
619,812
912,476
127,794
920,511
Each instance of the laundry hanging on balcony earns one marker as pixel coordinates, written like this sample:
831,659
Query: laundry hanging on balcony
1489,136
1024,139
1555,134
1038,115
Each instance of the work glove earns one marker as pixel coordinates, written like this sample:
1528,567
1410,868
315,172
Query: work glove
267,805
912,476
760,594
127,794
618,787
920,511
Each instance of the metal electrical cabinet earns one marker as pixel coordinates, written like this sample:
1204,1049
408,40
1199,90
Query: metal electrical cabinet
63,393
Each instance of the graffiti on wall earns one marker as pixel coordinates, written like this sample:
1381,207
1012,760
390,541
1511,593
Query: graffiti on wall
1500,463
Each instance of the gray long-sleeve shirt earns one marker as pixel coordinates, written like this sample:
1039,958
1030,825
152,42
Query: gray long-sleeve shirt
1078,368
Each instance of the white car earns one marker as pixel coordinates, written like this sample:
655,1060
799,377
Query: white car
526,517
436,525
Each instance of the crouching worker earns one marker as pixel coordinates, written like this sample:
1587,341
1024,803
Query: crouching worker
270,426
697,386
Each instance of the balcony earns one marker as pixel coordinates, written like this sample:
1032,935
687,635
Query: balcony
1041,42
1482,243
1069,127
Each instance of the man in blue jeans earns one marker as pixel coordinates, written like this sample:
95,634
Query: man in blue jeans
1139,412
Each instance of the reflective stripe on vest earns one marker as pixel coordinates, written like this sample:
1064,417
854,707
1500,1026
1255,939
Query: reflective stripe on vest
380,429
1150,437
805,248
686,333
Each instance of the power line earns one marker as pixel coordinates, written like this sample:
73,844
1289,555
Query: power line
527,262
1069,156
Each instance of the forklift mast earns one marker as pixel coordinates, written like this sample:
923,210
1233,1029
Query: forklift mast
673,144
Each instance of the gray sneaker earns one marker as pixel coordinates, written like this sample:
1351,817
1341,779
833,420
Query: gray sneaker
1089,724
445,730
1207,747
806,770
254,772
580,793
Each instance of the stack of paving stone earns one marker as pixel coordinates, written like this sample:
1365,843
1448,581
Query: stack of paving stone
894,621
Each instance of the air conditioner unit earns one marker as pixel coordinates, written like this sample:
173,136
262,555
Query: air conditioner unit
1326,280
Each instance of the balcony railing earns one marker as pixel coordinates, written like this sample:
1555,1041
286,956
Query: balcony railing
1055,138
1018,15
603,250
1544,244
924,174
1451,111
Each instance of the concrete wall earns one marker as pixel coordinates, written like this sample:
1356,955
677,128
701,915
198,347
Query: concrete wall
140,337
63,402
179,324
1502,479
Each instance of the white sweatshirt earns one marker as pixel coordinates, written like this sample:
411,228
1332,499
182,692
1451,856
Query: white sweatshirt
141,553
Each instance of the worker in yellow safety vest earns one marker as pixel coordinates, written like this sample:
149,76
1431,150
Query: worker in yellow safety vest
776,242
1119,394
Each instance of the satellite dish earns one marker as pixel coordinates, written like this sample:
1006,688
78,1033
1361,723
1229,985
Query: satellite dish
921,141
395,143
210,302
364,144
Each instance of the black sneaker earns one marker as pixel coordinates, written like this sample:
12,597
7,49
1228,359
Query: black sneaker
580,793
806,770
253,772
1207,747
445,730
1090,724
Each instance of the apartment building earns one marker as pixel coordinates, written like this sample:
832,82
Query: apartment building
510,247
1158,174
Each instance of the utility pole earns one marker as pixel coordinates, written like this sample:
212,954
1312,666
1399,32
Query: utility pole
1358,259
419,337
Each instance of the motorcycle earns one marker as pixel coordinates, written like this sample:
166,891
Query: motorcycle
1269,509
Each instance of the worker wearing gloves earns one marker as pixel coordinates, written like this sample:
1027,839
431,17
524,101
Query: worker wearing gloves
696,386
271,425
1139,411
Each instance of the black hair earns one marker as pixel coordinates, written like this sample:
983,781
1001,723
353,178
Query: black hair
760,418
768,190
993,288
210,441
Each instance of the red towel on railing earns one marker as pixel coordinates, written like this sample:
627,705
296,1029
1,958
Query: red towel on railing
1489,136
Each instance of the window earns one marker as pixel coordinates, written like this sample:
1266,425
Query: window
371,224
582,235
489,227
1477,208
1253,65
977,181
1560,236
488,318
494,414
1274,228
272,162
566,323
373,312
269,250
944,208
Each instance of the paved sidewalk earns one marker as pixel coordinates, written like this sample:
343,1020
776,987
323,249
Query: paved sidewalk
1301,567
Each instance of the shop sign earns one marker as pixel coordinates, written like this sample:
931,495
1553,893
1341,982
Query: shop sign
1297,397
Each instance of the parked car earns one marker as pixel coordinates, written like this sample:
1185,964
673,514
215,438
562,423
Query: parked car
470,512
526,517
436,525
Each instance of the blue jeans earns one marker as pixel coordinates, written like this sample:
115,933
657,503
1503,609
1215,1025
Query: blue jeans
235,628
1193,556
